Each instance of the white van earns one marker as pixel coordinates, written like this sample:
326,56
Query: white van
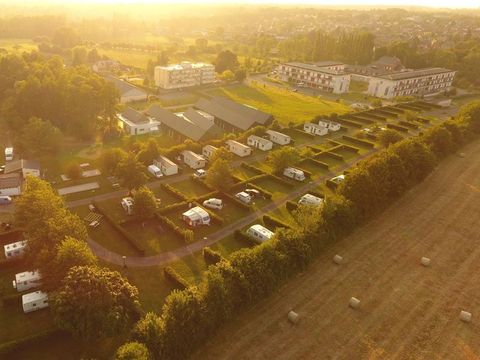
127,205
294,174
5,200
9,154
155,171
213,203
200,173
309,199
244,197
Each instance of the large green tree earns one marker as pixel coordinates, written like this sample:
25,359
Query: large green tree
283,157
145,203
131,172
38,139
219,175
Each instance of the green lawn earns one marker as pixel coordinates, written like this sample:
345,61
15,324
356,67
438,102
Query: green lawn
191,188
273,186
286,106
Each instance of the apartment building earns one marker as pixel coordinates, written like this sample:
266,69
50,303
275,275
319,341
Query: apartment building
411,83
184,75
327,76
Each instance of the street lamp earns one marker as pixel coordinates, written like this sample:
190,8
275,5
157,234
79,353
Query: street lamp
124,261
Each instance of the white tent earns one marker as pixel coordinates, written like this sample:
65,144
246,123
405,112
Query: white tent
196,216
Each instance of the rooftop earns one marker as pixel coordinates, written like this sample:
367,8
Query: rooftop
124,87
8,181
313,67
34,296
135,117
409,74
184,65
17,165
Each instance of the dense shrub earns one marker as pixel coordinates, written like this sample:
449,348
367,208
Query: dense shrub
177,193
291,206
274,223
177,279
185,234
211,256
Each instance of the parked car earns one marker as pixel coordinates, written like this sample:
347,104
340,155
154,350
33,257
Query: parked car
244,197
213,203
200,173
253,192
155,171
5,200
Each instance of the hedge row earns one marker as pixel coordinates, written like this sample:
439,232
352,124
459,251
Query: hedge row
333,155
243,183
374,115
171,208
241,236
10,236
359,141
350,148
350,123
408,124
9,348
252,168
13,299
211,256
291,206
186,235
9,263
285,181
126,235
272,222
316,163
361,120
215,218
177,279
177,193
397,127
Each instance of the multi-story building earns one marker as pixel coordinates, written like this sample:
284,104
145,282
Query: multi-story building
411,83
183,75
326,76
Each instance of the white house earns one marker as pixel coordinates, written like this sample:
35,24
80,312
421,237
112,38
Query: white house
196,216
315,129
10,184
193,160
167,166
208,151
259,142
259,233
238,148
128,92
330,125
134,122
15,249
278,137
23,167
27,280
34,301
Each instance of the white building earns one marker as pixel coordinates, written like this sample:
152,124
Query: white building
259,233
315,129
23,167
10,184
326,76
238,148
183,75
259,143
27,280
278,137
208,151
193,160
9,154
134,122
34,301
15,249
330,125
411,83
196,216
128,92
167,166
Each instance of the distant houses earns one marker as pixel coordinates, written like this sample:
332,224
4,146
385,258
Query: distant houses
134,122
23,167
128,92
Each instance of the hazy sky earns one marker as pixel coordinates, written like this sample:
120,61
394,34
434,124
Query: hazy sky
429,3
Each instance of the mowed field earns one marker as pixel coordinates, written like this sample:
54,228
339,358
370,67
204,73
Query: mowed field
407,311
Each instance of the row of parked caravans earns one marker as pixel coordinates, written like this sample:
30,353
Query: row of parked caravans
322,128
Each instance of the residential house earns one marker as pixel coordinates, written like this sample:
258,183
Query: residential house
22,167
134,122
128,92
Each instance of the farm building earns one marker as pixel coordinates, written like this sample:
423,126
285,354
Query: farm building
196,216
23,167
191,124
15,249
232,116
27,280
208,151
193,160
330,125
238,148
128,92
167,166
278,137
259,233
134,122
34,301
10,184
315,129
259,143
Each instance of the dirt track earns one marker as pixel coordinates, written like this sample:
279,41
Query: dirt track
407,311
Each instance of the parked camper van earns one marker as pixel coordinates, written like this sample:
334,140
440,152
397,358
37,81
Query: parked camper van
213,203
127,205
244,197
294,174
196,216
5,200
155,171
200,173
34,301
259,234
309,199
27,280
9,154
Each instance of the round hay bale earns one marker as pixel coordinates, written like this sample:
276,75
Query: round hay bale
293,317
465,316
425,261
337,259
354,303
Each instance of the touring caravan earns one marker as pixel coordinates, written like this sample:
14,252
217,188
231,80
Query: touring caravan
294,174
34,301
258,233
196,216
15,249
309,199
27,280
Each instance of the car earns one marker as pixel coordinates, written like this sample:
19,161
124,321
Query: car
244,197
252,192
2,169
200,173
213,203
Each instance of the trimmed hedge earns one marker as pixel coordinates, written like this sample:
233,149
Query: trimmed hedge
252,168
171,208
291,206
11,347
408,124
211,256
333,155
213,216
282,180
240,235
265,193
350,148
9,263
10,236
359,141
331,185
360,119
316,163
177,279
397,127
243,183
14,299
185,234
174,192
349,123
272,222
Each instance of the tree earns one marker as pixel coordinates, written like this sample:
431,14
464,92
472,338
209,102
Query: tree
131,172
39,138
145,203
132,351
388,137
226,60
95,302
73,170
282,158
219,175
227,76
201,43
221,153
66,37
148,153
149,331
110,158
79,55
240,75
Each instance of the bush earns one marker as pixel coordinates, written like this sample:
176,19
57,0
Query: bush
291,206
174,192
186,234
271,222
211,256
177,279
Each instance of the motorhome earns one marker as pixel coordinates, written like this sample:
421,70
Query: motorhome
34,301
155,171
294,174
259,233
309,199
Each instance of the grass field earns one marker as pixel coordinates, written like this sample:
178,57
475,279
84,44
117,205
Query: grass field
286,106
407,311
18,45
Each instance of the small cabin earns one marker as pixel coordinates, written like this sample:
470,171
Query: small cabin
259,233
27,280
15,249
330,125
295,174
193,160
309,199
238,149
315,129
278,137
167,166
259,143
208,151
196,216
34,301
